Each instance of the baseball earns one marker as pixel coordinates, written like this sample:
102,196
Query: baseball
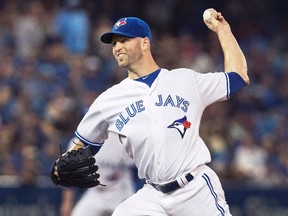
207,14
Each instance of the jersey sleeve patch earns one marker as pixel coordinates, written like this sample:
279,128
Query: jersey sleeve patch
235,83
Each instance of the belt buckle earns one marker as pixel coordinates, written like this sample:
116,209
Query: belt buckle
157,187
171,186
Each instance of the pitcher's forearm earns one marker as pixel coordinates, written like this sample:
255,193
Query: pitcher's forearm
234,59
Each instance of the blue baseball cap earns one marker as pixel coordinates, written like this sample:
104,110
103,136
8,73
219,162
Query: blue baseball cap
130,27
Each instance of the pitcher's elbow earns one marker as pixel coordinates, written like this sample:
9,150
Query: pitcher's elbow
244,74
246,80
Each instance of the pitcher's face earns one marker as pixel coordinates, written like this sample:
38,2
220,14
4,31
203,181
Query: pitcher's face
127,51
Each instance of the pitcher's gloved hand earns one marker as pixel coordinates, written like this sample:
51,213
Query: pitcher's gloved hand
76,168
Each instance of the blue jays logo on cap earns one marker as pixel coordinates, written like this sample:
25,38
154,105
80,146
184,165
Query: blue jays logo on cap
181,125
129,27
120,23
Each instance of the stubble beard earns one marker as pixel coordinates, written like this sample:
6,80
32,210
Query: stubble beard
127,61
122,61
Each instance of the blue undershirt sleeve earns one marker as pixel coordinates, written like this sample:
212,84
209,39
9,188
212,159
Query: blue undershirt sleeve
94,149
236,83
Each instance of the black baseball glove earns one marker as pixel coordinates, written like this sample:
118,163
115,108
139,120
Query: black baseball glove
76,168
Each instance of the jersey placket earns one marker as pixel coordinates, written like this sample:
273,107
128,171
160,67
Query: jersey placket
156,133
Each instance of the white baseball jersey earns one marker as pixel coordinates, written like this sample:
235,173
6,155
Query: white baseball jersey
158,119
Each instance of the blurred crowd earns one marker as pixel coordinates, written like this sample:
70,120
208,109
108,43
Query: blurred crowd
53,66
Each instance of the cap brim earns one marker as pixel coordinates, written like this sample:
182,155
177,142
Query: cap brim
107,37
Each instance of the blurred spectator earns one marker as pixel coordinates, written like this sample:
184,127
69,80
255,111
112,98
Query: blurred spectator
29,29
6,103
53,67
63,113
30,166
159,13
72,23
249,161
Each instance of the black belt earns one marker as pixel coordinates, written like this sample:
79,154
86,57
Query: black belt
171,186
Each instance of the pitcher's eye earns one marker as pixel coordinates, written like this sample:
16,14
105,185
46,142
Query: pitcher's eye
121,40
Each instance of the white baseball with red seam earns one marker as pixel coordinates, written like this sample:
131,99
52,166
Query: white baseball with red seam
208,13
